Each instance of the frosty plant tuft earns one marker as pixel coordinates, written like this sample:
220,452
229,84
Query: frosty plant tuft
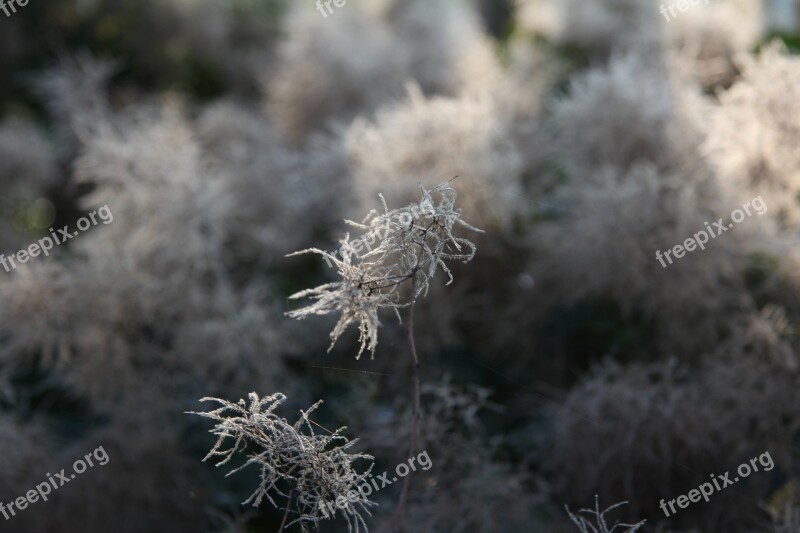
306,469
297,464
413,243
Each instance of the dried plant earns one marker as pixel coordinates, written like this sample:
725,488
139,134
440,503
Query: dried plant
655,422
411,244
314,468
586,526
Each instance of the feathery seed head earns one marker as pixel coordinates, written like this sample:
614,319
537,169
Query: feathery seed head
413,243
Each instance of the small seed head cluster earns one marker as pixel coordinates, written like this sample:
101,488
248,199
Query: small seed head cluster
600,525
297,464
413,243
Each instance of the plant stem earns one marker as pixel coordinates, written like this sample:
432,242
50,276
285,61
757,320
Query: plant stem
286,514
401,506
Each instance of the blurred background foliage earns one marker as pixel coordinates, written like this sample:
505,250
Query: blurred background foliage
225,135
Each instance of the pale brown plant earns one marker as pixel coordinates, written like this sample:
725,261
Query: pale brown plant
412,244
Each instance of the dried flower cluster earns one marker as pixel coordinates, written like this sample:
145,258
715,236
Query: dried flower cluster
600,526
297,464
412,244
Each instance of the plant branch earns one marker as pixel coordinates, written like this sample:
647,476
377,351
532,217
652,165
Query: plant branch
288,508
401,506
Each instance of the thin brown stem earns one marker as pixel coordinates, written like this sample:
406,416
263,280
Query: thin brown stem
401,506
288,508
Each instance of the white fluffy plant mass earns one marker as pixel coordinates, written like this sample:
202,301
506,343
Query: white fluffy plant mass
314,468
319,81
754,134
471,135
409,244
